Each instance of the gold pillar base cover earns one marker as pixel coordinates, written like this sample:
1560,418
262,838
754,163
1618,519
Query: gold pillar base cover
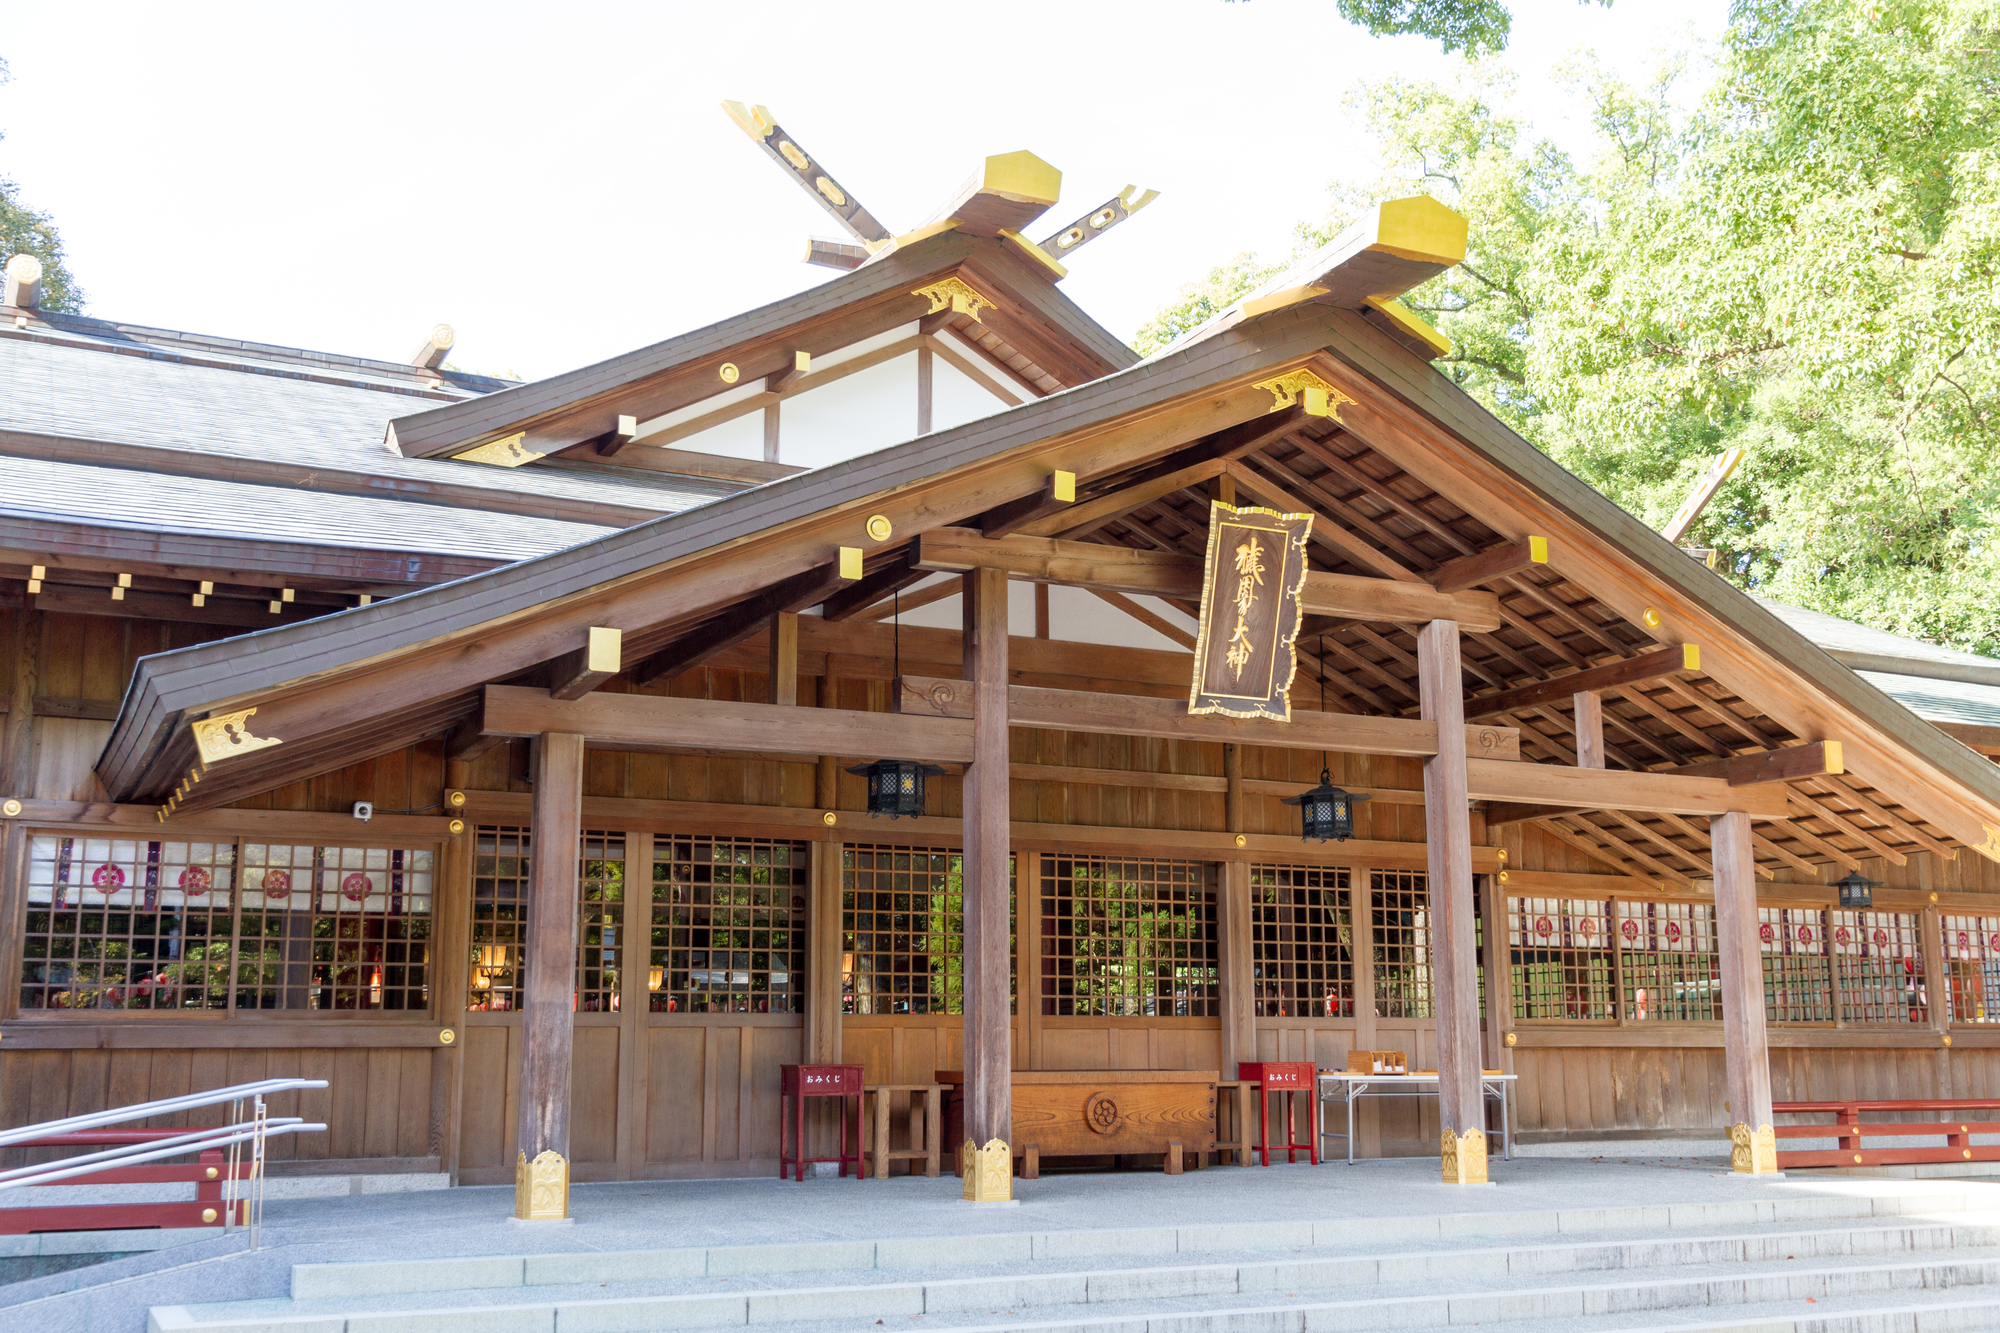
1753,1152
1464,1157
988,1171
541,1188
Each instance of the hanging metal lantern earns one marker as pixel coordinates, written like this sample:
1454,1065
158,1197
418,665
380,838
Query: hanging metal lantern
1856,889
1327,812
896,786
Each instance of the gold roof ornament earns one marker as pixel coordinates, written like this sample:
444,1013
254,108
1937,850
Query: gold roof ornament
505,452
1303,387
227,736
956,294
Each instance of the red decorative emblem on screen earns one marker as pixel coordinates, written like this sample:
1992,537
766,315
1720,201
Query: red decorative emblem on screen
277,884
1544,927
1765,933
1881,936
1840,935
356,887
1630,929
195,881
1673,931
108,878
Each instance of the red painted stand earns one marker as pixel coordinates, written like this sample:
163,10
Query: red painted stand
798,1082
1283,1078
204,1210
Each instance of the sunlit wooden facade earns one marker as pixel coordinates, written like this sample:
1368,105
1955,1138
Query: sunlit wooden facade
186,910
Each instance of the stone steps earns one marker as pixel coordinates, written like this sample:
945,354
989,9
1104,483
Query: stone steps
1629,1282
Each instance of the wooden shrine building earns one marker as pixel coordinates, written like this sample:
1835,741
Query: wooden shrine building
600,651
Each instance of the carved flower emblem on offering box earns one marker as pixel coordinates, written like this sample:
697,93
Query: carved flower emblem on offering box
1100,1113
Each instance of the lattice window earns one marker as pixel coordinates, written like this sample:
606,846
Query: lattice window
1972,967
1668,959
1128,937
334,928
1302,941
1561,962
1878,963
600,909
729,925
1400,914
143,924
499,918
1798,979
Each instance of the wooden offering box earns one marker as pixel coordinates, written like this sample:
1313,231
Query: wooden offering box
1098,1113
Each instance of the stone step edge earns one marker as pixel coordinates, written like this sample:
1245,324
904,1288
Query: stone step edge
1958,1236
311,1281
822,1303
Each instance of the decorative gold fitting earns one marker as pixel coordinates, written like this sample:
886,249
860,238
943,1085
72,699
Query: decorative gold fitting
1464,1157
211,1173
508,451
988,1171
1753,1152
730,374
1303,387
850,562
1242,841
10,807
1512,1038
955,294
455,799
446,1036
456,827
229,735
1651,616
541,1187
879,528
1947,1039
829,819
208,1215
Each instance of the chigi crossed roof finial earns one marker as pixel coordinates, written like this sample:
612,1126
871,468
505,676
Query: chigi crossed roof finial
1007,192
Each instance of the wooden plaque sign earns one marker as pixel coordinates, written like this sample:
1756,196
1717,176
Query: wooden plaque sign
1250,612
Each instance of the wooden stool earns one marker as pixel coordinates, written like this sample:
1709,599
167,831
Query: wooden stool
798,1082
1236,1096
926,1124
1284,1078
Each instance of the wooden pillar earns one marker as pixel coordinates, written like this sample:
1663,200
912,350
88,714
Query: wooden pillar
1041,610
988,1025
18,778
784,665
1454,950
1236,963
1499,973
541,1182
1589,729
771,433
635,1002
1937,980
926,379
823,950
1232,791
1746,1054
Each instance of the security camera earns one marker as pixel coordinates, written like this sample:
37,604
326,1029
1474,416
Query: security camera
364,810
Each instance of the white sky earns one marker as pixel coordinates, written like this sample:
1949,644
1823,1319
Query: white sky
559,183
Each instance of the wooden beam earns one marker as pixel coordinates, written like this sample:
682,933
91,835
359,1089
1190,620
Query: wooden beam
851,599
1165,574
467,743
783,678
1187,466
548,969
1589,712
1454,908
1470,571
1746,1055
615,439
1817,759
1158,624
642,721
1517,812
1168,719
784,379
1616,789
1057,495
1630,670
737,623
988,1023
581,670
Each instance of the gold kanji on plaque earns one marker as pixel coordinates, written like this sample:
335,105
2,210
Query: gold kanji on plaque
1250,612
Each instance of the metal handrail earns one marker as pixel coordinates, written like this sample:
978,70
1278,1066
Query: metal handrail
167,1106
223,1136
195,1140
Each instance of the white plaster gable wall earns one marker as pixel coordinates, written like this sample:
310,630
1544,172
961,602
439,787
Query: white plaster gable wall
1075,615
868,410
957,398
739,437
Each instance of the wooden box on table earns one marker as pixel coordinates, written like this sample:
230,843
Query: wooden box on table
1100,1113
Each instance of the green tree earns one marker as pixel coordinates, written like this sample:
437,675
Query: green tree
26,230
1806,264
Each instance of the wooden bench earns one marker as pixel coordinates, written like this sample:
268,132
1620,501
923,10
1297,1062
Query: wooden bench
1849,1131
926,1123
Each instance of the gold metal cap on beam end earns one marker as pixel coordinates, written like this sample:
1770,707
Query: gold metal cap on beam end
880,529
456,827
1242,841
850,562
446,1036
829,818
729,373
10,807
1063,484
455,799
1651,616
1512,1038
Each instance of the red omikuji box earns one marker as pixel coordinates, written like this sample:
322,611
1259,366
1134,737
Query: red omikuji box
1279,1075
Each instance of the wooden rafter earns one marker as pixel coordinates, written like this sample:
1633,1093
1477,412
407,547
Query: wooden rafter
1608,675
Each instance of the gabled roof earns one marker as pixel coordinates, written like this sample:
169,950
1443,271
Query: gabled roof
566,410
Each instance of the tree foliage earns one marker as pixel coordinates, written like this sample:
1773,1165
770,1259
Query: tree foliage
1806,264
23,229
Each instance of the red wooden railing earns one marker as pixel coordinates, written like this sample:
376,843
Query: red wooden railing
1850,1133
204,1210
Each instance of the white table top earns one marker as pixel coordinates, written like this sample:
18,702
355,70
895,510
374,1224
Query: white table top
1348,1076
